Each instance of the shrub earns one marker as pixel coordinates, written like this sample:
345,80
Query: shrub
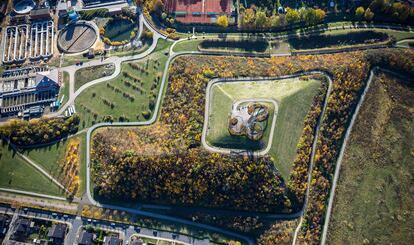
146,114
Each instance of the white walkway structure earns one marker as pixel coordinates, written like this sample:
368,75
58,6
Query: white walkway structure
24,41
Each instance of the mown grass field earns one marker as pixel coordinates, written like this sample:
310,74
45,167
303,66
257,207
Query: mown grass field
51,157
274,47
17,174
337,39
64,90
87,74
218,134
374,196
90,104
294,97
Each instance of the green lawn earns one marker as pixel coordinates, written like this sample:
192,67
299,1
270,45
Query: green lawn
17,174
218,134
49,158
92,105
336,39
69,60
187,45
233,44
294,97
398,35
64,90
87,74
374,197
162,45
121,51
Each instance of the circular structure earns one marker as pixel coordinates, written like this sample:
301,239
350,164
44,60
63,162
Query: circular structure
77,37
24,6
246,120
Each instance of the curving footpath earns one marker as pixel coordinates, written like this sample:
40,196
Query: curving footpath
117,61
152,120
207,114
343,147
339,162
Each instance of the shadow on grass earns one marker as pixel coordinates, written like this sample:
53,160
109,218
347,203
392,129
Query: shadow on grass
258,45
326,41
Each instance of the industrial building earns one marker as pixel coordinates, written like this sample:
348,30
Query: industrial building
27,91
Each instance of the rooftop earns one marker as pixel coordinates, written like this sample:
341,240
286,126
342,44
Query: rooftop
57,231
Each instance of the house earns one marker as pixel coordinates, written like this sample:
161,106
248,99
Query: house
136,242
112,240
21,229
57,234
85,238
3,225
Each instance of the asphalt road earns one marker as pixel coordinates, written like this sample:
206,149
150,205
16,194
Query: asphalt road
76,222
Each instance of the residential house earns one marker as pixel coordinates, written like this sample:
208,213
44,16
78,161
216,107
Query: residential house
57,233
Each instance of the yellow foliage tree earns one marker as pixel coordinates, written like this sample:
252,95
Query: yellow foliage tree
223,21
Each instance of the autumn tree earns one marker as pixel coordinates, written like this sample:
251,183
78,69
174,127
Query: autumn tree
292,16
223,21
369,15
359,12
261,19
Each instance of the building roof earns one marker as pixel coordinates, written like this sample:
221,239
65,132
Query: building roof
62,6
112,240
86,238
3,219
21,225
28,81
57,230
137,243
39,12
47,77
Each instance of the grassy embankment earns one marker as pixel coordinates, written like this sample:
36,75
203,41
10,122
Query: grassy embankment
64,90
51,157
346,38
20,175
87,74
374,197
294,97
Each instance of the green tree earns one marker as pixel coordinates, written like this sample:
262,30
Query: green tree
401,11
275,21
320,15
359,12
292,16
249,16
369,15
261,19
223,21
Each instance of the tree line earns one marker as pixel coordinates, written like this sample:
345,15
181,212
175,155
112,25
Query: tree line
39,131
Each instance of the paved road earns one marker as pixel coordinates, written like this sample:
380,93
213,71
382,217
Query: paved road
76,222
117,61
32,194
343,147
341,155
